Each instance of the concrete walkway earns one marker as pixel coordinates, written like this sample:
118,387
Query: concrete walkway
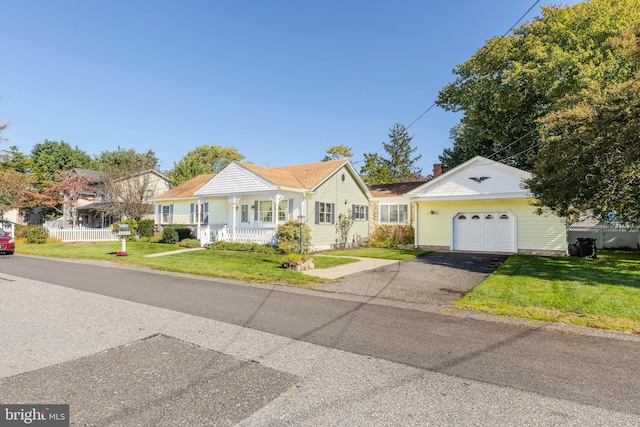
177,251
363,264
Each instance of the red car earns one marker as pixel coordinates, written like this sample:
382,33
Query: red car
7,244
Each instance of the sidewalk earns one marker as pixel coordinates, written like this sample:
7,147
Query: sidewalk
363,264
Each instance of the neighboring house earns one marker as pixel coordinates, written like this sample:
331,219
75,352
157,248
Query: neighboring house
482,205
245,203
90,208
25,216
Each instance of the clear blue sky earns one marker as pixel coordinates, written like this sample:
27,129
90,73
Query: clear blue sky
282,81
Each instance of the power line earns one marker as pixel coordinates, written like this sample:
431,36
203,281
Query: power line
486,53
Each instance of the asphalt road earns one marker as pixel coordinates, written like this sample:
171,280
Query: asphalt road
595,371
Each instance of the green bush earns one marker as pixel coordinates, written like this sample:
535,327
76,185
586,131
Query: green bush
170,235
145,228
189,243
33,234
244,247
389,236
181,231
288,236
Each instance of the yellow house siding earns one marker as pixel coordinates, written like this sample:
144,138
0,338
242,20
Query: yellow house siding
334,190
218,210
535,233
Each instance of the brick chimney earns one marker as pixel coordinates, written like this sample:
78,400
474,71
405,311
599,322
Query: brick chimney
437,169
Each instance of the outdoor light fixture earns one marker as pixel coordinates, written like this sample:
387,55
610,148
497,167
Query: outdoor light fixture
301,219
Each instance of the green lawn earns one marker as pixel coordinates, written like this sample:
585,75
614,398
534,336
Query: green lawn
238,265
383,253
600,293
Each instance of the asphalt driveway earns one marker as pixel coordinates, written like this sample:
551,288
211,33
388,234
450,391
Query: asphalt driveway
436,279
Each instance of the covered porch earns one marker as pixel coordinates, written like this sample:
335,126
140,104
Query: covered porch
246,218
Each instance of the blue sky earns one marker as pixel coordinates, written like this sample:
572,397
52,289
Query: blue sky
282,81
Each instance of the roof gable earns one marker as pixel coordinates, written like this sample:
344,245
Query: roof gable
478,178
233,179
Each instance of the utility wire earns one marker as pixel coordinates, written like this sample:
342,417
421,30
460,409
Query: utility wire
496,43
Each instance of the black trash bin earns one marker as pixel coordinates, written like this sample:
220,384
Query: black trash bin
586,247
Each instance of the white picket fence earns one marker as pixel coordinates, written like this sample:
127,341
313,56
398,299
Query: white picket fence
82,234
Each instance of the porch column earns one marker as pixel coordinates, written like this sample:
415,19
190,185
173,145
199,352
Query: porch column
276,199
234,203
198,219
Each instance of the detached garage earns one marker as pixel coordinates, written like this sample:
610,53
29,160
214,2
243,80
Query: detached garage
482,205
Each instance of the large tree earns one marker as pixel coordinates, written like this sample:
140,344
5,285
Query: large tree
511,82
50,157
124,162
589,161
203,160
398,166
15,189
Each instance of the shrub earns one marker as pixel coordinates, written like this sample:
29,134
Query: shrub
145,228
388,236
182,231
189,243
288,236
343,225
170,235
34,234
245,247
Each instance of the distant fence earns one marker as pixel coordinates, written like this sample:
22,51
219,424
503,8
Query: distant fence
82,234
608,237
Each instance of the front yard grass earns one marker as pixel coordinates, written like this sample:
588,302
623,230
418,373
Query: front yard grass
237,265
601,293
383,253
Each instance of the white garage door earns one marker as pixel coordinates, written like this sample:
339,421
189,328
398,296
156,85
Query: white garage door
484,231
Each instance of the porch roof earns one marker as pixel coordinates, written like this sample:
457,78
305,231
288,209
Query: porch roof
187,189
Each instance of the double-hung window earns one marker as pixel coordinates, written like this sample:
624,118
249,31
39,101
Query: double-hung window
204,213
244,213
325,213
394,213
165,214
265,211
360,212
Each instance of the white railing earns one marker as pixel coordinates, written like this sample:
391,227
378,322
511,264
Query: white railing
238,234
82,234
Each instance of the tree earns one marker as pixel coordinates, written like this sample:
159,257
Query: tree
15,188
589,160
13,159
512,82
399,166
50,157
123,161
337,152
127,182
64,190
203,160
